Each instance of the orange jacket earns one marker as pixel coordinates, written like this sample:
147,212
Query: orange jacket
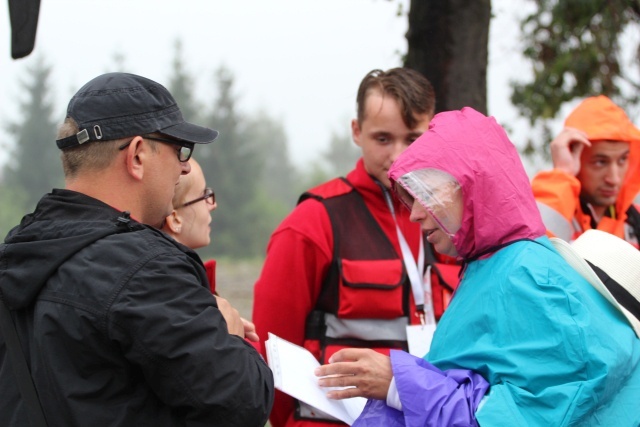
557,192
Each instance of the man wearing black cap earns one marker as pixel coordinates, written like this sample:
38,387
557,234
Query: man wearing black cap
113,317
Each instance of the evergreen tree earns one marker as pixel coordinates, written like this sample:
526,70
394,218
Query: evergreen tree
278,173
248,166
314,174
233,167
34,162
342,154
276,192
337,160
181,86
117,64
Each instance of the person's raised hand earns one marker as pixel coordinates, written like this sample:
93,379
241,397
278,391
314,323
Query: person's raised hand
566,149
232,316
365,372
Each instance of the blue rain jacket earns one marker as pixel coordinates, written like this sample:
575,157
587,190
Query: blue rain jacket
553,351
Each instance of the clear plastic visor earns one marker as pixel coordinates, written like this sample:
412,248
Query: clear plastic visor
438,192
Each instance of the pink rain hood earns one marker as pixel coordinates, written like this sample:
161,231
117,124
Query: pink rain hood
498,202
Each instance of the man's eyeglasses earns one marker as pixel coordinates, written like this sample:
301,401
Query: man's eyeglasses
209,196
184,153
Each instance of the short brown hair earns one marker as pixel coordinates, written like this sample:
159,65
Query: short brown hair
409,88
90,156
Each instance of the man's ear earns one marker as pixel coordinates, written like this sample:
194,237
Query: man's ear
174,222
136,153
355,131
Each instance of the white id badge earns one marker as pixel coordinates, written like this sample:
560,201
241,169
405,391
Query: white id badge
419,339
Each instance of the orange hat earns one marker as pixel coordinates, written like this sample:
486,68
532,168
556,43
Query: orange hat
602,120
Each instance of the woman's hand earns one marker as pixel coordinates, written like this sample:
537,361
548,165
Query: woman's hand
365,372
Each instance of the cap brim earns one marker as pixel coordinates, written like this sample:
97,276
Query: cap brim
581,266
188,132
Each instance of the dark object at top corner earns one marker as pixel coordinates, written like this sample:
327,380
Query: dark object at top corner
23,15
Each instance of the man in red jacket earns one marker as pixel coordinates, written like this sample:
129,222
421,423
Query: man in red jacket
347,267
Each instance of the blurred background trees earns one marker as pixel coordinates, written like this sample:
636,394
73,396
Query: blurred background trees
33,168
575,48
248,166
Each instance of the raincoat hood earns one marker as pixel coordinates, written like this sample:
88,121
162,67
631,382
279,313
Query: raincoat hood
498,204
602,120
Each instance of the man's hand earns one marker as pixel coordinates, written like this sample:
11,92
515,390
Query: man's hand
367,373
231,315
566,149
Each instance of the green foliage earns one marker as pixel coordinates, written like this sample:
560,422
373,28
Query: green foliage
312,175
181,85
575,52
342,154
234,167
338,160
248,165
574,48
34,167
278,174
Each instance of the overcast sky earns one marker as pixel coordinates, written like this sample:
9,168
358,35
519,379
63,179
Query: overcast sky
299,60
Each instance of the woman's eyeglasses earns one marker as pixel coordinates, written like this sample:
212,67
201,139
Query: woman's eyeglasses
209,196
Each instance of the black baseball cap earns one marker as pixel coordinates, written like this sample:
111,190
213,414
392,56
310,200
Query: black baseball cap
118,105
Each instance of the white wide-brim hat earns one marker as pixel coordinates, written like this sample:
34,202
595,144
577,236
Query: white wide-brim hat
617,259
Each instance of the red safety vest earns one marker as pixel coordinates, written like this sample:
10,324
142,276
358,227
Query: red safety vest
365,298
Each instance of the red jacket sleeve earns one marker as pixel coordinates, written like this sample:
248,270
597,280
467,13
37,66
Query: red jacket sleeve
210,267
298,256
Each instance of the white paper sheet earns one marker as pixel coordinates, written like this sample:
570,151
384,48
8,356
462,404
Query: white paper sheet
293,367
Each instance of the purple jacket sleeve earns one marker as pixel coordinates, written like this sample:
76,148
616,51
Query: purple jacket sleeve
429,396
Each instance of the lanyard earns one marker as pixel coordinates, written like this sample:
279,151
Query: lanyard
414,271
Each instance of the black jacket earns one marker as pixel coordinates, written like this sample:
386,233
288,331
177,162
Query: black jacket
119,327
